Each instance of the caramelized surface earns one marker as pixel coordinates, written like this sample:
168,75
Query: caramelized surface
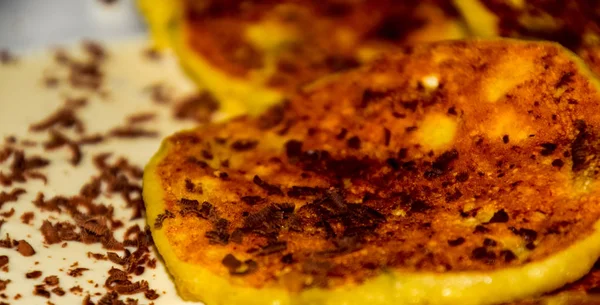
289,43
451,157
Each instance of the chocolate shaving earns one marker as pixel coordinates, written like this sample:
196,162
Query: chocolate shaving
548,148
441,165
161,218
272,248
3,260
38,176
198,107
272,117
141,118
95,50
51,280
237,267
131,288
77,272
270,188
12,196
3,284
41,291
9,213
91,139
159,93
132,132
499,217
58,139
27,217
252,200
304,191
64,117
24,248
91,189
33,274
244,145
116,276
58,291
151,294
115,258
353,142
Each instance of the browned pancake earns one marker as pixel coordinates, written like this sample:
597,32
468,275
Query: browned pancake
451,173
316,37
258,52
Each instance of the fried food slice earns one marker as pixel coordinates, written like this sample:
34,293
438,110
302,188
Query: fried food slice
253,53
573,23
450,173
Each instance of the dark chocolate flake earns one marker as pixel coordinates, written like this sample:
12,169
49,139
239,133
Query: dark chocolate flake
51,280
272,248
161,218
508,255
482,254
303,191
25,248
387,136
33,274
252,200
41,291
462,177
237,267
77,272
547,148
270,188
558,163
354,142
244,145
488,242
456,242
342,134
287,259
499,217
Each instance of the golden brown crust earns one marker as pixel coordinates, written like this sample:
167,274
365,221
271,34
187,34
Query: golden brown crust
447,157
317,37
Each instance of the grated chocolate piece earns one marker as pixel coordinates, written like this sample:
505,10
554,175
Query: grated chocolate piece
130,132
3,284
77,272
24,248
27,217
198,107
41,291
244,145
12,196
51,280
142,117
58,140
161,218
270,188
33,274
8,214
58,291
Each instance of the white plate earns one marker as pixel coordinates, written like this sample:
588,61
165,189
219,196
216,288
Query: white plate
24,100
